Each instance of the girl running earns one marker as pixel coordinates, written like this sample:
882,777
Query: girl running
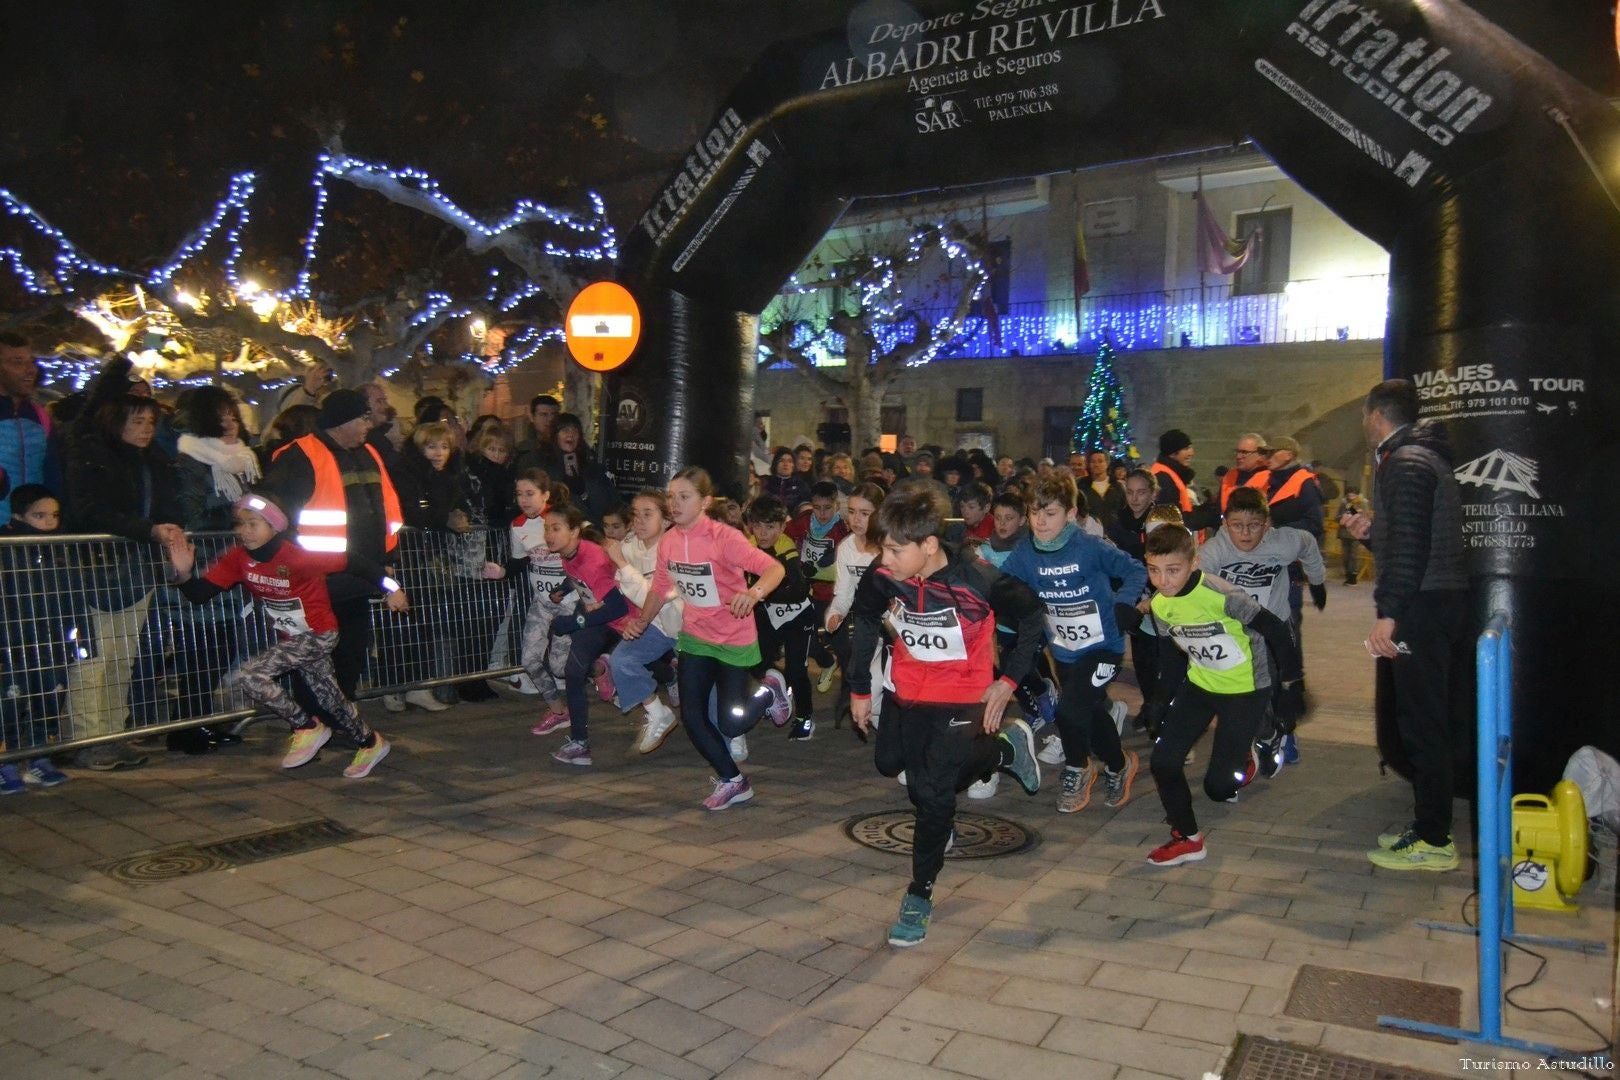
786,621
593,628
635,661
544,654
855,555
704,560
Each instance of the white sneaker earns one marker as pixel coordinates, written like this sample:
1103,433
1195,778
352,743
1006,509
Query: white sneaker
901,778
656,728
523,684
984,789
1052,750
1119,712
738,748
393,703
424,699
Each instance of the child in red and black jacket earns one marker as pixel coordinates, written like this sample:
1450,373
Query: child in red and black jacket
946,732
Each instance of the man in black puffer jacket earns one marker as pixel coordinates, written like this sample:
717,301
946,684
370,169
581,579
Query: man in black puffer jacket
1421,634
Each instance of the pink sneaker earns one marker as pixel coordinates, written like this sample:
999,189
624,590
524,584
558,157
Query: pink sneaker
729,793
602,676
549,723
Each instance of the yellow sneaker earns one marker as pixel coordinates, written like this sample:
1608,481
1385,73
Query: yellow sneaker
367,757
305,744
1410,853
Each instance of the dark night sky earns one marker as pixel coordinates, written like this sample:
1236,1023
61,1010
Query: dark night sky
123,122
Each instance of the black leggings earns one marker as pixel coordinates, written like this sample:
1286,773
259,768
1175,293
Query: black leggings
1190,713
739,704
943,749
1083,720
795,641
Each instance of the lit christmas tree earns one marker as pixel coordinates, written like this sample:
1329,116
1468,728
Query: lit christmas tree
1103,424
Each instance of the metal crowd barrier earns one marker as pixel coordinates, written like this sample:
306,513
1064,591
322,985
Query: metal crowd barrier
1494,803
96,647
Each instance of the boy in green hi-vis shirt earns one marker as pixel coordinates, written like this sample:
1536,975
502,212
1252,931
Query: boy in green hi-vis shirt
1235,649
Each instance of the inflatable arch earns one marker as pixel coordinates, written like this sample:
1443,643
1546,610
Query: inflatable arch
1489,175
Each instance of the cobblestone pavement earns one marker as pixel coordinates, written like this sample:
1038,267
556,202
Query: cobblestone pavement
505,916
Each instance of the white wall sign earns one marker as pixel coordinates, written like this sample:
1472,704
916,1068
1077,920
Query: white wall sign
1111,217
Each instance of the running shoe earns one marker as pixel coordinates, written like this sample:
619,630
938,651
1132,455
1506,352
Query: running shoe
367,757
1178,849
1251,769
394,702
1117,785
11,782
305,744
912,925
729,793
1046,705
602,676
40,771
803,729
1271,756
781,707
900,778
1290,749
1412,853
1052,750
739,748
984,789
1076,793
825,682
1025,769
573,752
656,728
549,723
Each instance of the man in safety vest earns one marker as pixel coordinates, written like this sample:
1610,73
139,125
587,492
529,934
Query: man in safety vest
1174,475
339,497
1296,503
1248,467
1292,491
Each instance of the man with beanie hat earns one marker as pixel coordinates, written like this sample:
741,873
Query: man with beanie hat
339,497
1174,474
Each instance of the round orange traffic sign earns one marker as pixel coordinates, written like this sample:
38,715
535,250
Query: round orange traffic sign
603,326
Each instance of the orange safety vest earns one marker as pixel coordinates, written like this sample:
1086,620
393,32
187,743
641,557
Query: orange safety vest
323,522
1259,481
1185,496
1292,486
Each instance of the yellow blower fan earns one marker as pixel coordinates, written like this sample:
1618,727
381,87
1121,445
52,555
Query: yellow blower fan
1549,848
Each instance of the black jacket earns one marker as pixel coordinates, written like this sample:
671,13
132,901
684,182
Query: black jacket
46,603
1417,532
115,488
426,495
1105,507
1302,511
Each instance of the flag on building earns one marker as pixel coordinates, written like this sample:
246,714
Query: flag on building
1218,253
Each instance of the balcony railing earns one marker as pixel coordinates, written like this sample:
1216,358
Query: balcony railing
1323,309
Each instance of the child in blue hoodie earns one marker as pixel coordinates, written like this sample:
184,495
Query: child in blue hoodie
1073,573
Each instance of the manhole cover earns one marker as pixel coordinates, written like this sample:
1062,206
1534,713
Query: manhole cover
1356,999
186,859
1266,1059
978,836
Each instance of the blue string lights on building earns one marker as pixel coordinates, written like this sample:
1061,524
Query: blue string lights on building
233,214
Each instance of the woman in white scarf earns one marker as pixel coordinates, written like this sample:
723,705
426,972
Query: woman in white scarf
215,466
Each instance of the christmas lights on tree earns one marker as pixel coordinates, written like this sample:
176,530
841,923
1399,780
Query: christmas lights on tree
1103,424
81,282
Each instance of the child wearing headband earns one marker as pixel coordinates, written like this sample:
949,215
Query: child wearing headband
289,582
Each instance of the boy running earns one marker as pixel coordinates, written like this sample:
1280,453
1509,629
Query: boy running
1229,675
1070,571
948,702
1255,557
